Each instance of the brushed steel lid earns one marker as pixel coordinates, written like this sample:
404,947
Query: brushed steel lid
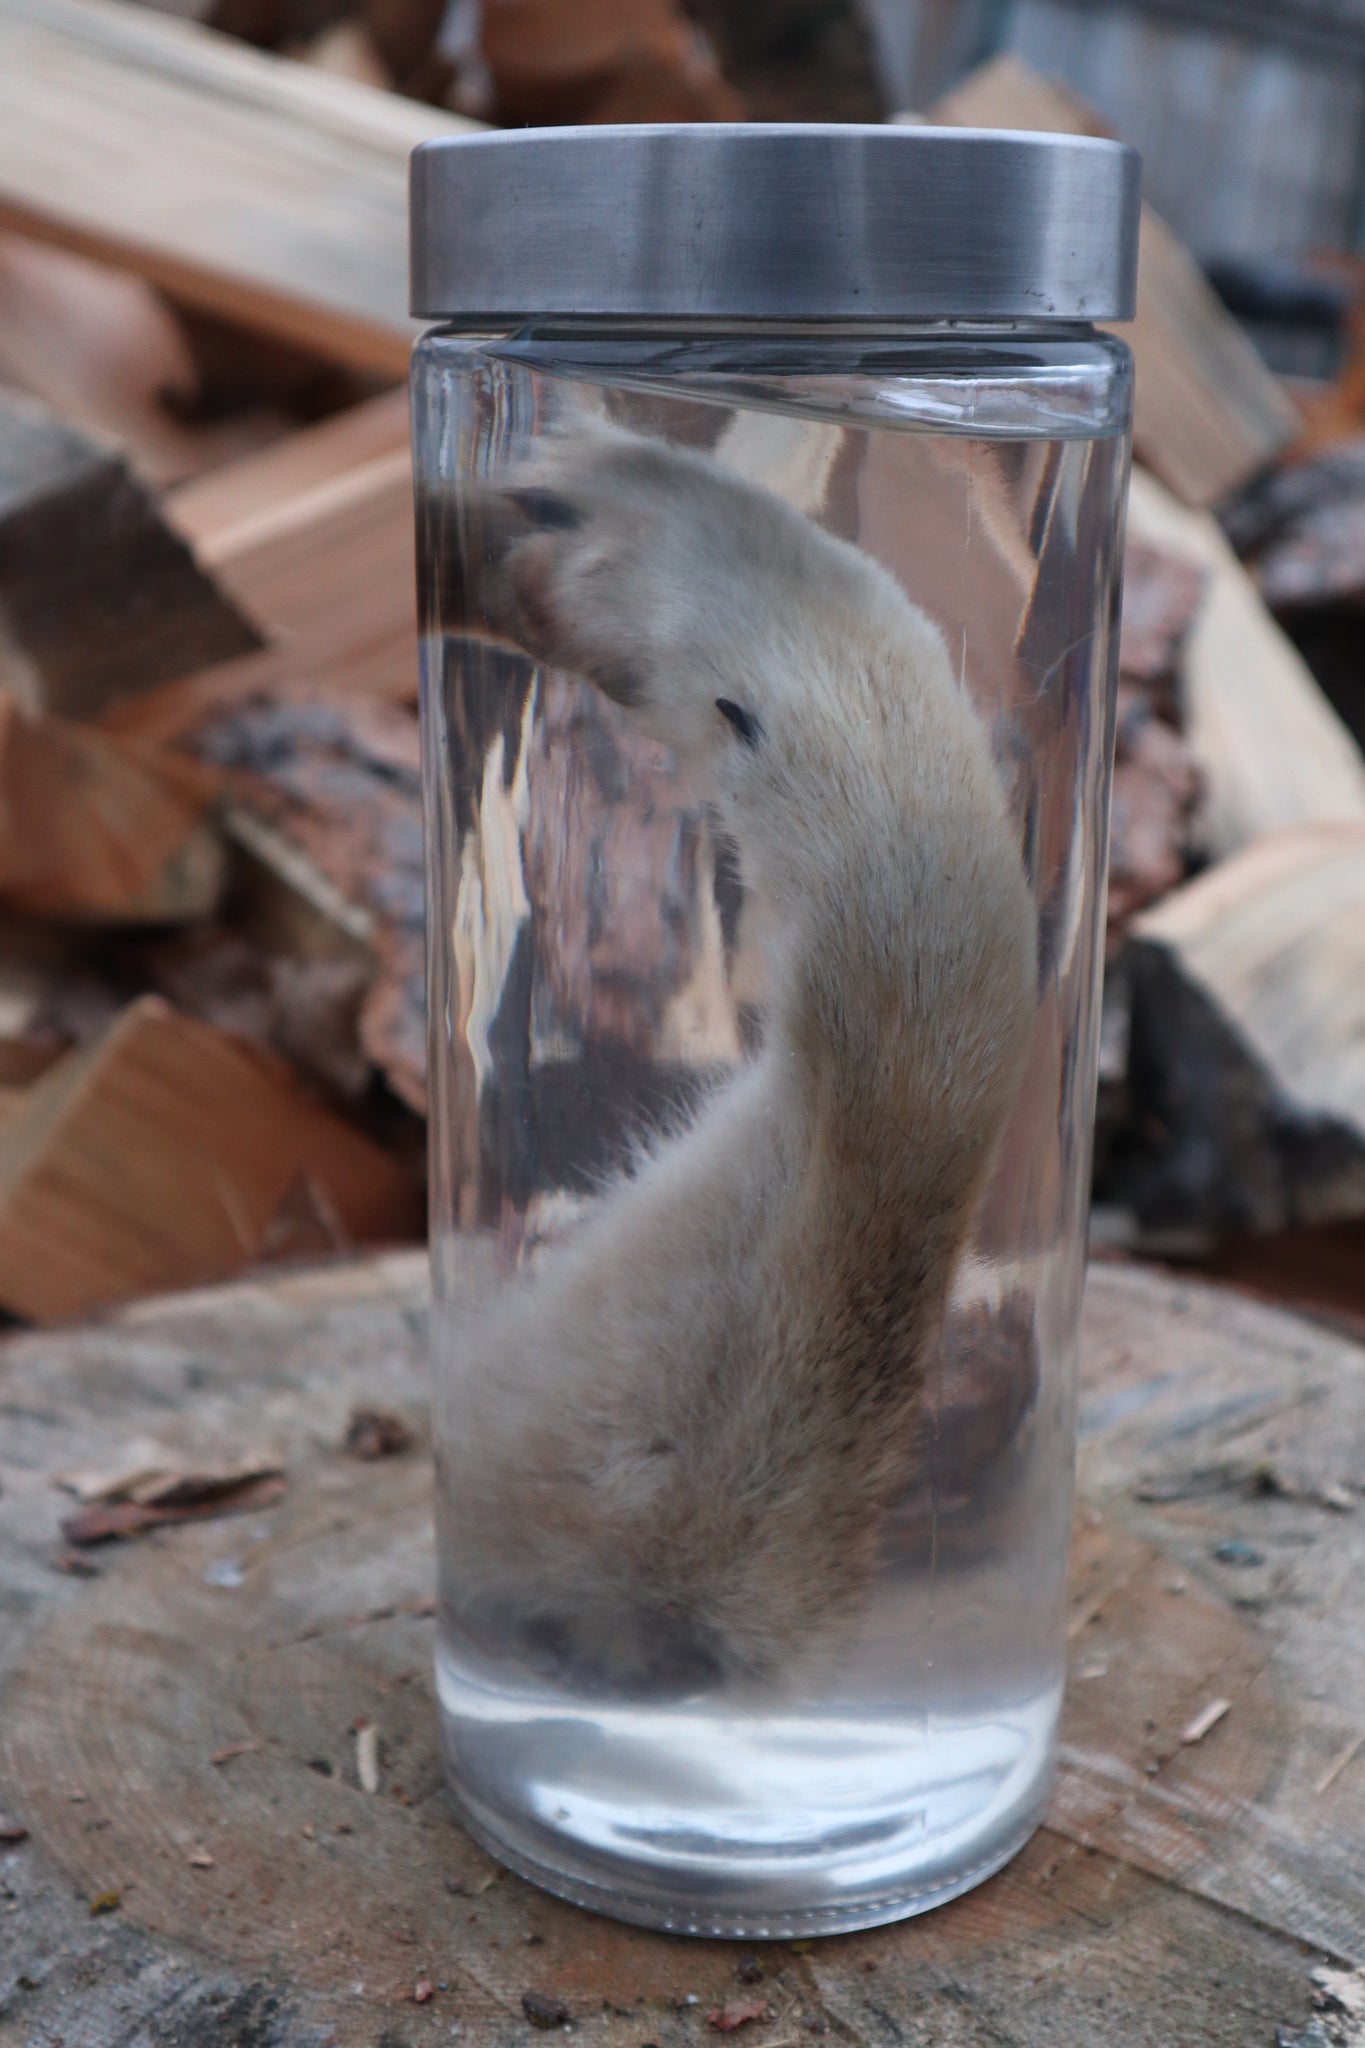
750,221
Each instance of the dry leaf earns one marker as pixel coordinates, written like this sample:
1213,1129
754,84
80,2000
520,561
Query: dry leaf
125,1518
105,1902
738,2012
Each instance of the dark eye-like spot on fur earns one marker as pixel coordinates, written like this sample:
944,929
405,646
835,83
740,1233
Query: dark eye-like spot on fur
547,508
744,722
619,683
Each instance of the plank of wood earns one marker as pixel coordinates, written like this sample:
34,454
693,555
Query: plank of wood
98,597
1208,411
161,1157
1170,1896
267,192
1248,1042
99,830
1270,749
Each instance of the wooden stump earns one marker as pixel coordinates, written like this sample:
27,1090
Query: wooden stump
178,1735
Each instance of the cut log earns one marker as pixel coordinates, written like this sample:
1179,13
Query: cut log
98,830
97,595
180,1729
1208,411
245,185
1270,750
1247,1053
162,1157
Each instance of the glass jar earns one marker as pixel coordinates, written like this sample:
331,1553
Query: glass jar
769,549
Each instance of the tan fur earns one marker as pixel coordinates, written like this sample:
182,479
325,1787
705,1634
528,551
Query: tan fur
670,1447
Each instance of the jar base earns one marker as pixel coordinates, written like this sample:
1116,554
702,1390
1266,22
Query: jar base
618,1844
788,1923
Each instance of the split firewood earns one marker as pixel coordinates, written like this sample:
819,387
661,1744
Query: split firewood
602,60
97,830
1156,781
346,49
121,131
222,512
1156,787
109,354
1208,411
328,799
1247,1023
1162,593
1301,530
97,595
158,1158
1270,750
307,1006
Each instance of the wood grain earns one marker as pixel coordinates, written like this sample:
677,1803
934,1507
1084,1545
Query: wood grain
1179,1891
266,192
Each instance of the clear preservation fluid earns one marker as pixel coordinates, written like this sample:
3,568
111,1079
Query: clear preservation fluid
595,975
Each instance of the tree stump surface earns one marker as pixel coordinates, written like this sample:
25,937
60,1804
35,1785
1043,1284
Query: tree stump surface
177,1734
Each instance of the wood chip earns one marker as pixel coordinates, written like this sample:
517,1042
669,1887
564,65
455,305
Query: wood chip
544,2010
225,1756
423,1991
738,2012
1208,1717
1339,1763
200,1859
367,1757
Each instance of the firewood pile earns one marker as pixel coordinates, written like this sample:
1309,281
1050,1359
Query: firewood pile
211,1002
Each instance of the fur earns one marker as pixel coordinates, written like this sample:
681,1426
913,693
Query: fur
673,1442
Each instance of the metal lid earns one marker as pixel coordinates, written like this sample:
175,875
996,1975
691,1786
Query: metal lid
773,222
